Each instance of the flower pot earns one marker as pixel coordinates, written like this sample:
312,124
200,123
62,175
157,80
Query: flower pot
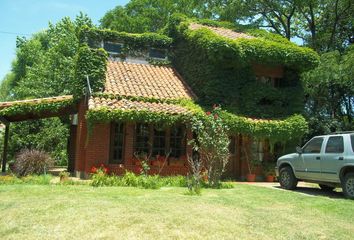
270,178
251,177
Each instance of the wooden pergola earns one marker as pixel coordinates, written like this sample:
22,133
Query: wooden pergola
7,118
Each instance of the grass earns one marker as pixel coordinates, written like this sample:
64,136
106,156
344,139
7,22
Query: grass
244,212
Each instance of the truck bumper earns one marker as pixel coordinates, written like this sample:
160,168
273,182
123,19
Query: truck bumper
276,172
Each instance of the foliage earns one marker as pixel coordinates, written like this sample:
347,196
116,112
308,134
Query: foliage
195,178
129,179
212,143
268,168
293,127
242,51
329,92
33,161
35,108
94,37
30,179
150,15
92,63
37,134
44,66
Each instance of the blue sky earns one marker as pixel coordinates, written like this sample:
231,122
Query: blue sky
30,16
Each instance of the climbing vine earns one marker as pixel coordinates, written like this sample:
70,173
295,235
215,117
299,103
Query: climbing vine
23,108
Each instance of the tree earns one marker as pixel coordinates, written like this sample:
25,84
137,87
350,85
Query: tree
329,92
44,67
151,15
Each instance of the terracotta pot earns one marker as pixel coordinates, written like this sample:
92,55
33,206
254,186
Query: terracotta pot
270,178
251,177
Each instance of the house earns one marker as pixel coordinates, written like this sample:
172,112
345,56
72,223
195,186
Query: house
136,94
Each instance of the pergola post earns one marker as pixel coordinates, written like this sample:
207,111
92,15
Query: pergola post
6,140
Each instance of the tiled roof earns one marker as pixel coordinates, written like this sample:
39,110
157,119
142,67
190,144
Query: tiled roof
125,104
221,31
35,101
131,79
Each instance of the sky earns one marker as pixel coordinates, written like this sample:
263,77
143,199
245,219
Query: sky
25,17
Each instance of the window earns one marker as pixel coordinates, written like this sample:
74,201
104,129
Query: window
114,48
156,140
159,141
177,143
313,146
142,132
157,53
117,143
352,140
232,145
335,145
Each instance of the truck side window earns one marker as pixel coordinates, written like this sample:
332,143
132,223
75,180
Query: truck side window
335,145
313,146
352,140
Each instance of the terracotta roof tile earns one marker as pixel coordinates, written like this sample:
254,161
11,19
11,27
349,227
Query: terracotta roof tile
125,104
221,31
37,100
132,79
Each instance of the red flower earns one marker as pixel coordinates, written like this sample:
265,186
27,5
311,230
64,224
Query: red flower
93,169
208,113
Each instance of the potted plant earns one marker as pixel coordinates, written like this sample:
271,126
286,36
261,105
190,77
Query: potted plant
252,165
268,169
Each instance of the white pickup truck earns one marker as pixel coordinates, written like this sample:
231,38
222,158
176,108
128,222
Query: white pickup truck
327,160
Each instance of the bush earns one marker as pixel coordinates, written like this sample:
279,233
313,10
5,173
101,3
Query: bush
129,179
33,179
32,162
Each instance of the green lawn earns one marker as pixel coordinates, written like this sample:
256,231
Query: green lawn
245,212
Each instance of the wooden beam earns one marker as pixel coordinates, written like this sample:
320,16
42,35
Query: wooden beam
6,140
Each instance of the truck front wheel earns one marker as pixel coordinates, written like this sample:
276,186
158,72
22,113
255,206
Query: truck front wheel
287,178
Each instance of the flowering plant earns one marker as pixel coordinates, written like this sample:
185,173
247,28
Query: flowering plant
101,168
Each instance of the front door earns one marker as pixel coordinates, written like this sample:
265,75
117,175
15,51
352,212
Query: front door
311,157
333,158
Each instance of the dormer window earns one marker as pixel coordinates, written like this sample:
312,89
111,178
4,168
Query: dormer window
112,47
158,53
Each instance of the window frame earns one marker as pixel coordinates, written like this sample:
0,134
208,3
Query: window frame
306,145
341,137
167,141
112,146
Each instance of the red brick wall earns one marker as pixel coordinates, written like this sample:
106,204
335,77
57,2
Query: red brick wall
93,149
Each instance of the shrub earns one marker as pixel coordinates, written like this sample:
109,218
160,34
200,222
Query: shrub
212,143
32,162
31,179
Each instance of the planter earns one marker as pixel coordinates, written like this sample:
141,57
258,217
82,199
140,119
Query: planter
270,178
251,177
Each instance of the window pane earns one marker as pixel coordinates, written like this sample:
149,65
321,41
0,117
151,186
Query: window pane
117,143
142,134
157,53
112,47
352,140
335,145
159,143
177,141
313,146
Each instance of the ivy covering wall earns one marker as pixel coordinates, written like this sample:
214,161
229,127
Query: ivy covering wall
219,71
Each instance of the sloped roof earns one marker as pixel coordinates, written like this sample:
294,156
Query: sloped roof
221,31
36,101
39,108
143,80
125,104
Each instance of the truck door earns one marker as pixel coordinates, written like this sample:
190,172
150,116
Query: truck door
311,157
333,158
